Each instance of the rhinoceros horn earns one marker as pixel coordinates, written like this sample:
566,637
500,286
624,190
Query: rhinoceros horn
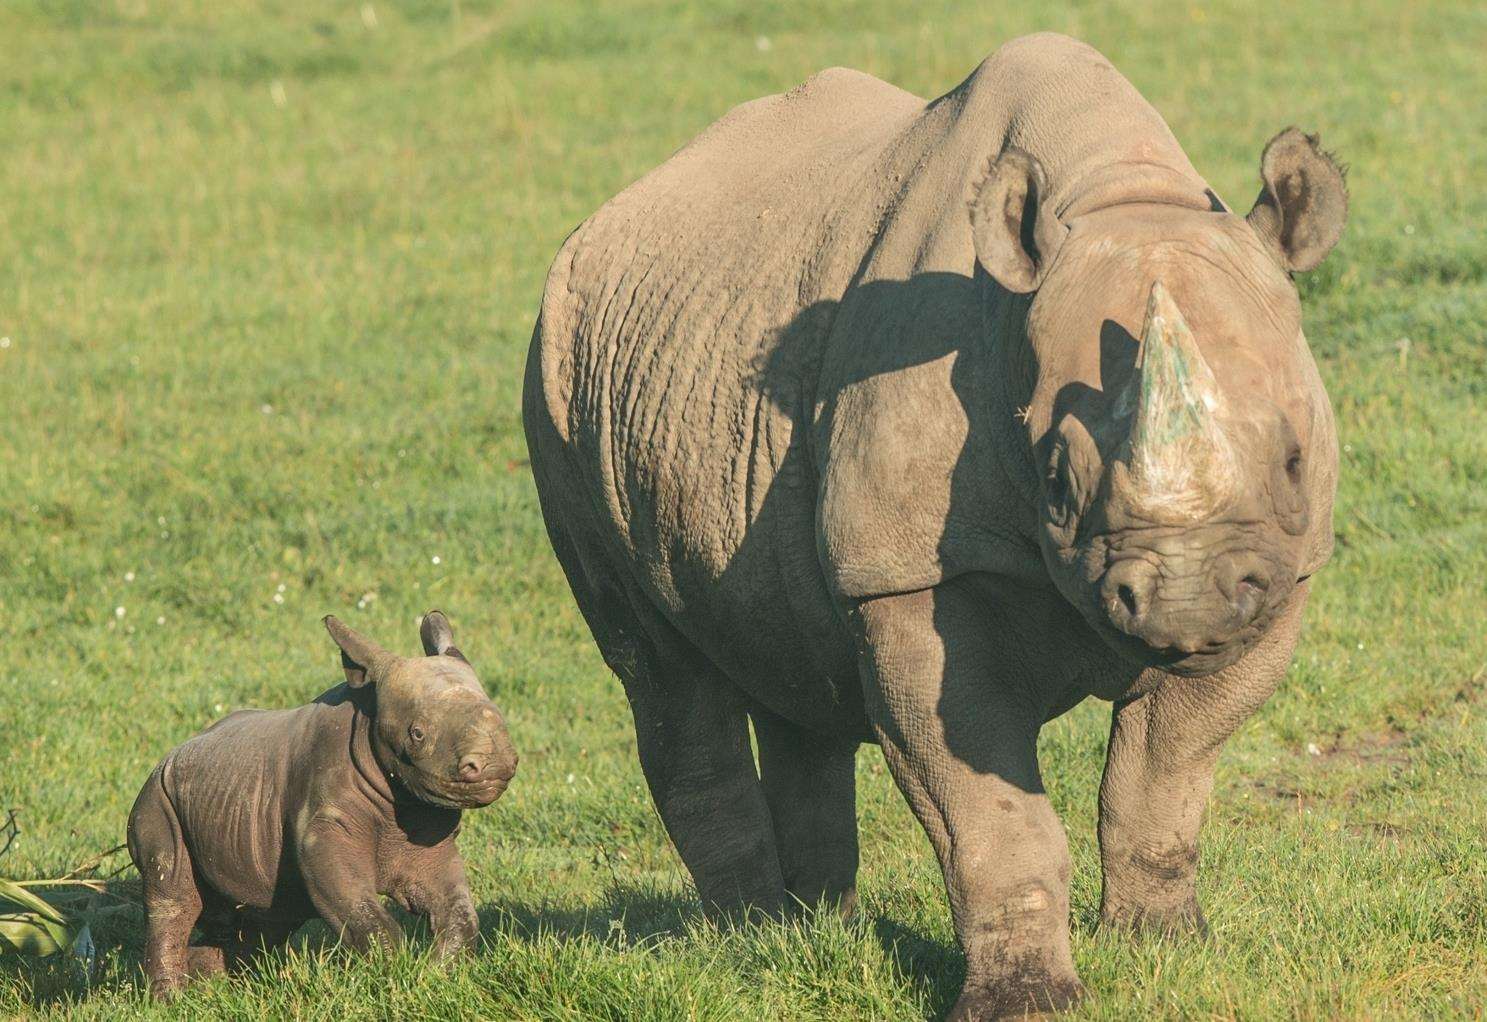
1180,463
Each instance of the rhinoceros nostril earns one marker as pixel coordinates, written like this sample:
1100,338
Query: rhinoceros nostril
1254,582
470,768
1127,597
1249,596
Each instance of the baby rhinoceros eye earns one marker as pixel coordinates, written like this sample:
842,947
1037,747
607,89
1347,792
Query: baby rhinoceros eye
415,733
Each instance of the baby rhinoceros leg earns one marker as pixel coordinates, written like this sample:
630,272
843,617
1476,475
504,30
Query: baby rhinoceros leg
339,873
211,953
172,900
232,940
441,894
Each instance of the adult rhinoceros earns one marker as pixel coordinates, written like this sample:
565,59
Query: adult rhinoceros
871,419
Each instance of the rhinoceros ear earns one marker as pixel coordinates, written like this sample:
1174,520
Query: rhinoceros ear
1303,202
1015,234
361,658
438,636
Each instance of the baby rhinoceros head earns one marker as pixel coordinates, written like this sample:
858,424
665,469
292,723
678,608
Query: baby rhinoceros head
435,731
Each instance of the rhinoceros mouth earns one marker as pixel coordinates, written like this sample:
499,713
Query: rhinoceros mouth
1212,658
1208,658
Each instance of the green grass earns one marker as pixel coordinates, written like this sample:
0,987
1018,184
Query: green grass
268,280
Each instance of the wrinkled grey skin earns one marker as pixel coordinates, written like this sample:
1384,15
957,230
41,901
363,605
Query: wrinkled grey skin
870,419
272,817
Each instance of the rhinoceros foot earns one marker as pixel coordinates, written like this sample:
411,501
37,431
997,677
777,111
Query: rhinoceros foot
1026,996
1184,920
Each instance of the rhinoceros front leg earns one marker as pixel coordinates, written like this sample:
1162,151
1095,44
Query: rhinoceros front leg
1158,775
959,728
810,783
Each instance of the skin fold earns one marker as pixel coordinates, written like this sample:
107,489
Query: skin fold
272,817
866,418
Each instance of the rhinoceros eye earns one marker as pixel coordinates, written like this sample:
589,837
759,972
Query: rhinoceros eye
1293,466
416,733
1056,487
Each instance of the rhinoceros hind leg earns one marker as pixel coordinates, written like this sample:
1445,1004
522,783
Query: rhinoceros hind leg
810,784
691,730
693,735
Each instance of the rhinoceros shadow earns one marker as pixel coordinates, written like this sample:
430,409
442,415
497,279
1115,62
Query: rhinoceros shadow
904,324
630,912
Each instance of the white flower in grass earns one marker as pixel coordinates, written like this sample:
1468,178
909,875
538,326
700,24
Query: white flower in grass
119,612
434,559
278,597
128,576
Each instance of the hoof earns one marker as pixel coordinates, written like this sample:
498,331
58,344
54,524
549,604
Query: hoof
1022,999
842,904
1183,921
846,905
203,962
164,991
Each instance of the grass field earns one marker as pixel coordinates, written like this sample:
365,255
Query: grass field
268,279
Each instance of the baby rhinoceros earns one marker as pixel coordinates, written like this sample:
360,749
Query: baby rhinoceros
272,817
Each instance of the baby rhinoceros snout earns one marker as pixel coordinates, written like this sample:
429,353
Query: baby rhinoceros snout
1173,607
486,759
500,767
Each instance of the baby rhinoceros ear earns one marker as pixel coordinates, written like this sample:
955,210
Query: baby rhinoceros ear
1303,202
361,658
438,637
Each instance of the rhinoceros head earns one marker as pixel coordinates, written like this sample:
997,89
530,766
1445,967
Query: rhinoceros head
1181,441
435,730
